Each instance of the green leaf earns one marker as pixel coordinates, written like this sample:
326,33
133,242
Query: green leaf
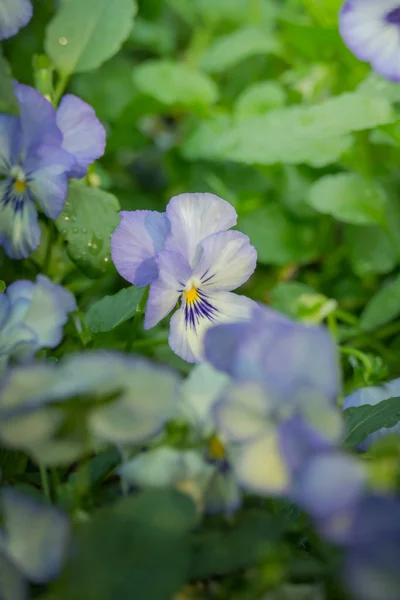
259,98
175,84
229,50
325,12
2,286
228,549
111,311
370,250
139,546
316,135
285,297
361,421
383,307
89,218
83,34
280,239
350,198
8,103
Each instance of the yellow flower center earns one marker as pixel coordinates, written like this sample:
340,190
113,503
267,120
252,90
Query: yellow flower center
192,295
216,448
20,185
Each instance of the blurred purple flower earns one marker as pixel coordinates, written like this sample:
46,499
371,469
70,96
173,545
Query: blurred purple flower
187,255
292,361
14,15
371,30
39,151
373,395
32,316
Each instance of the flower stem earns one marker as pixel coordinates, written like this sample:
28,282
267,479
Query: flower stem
60,87
45,481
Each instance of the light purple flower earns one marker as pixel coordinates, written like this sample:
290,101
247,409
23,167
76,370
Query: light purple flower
371,30
39,151
32,316
373,395
292,361
191,258
14,15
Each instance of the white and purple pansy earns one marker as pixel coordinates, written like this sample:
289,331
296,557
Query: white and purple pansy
371,30
39,151
14,15
188,255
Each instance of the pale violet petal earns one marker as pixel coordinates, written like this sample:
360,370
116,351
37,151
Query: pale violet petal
37,535
19,225
137,240
174,271
161,467
227,261
260,467
193,217
83,135
187,341
4,309
222,494
14,15
10,142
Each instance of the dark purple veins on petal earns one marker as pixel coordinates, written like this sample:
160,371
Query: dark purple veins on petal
393,17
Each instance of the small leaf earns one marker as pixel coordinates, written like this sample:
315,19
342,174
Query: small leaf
370,250
259,98
350,198
89,218
83,34
111,311
2,286
285,297
175,84
361,421
383,307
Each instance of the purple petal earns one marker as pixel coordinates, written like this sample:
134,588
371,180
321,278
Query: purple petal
38,119
139,237
10,142
83,135
174,271
372,572
19,226
299,442
222,344
193,217
14,15
227,260
4,309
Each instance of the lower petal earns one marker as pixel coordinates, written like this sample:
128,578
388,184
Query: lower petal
19,226
187,336
14,14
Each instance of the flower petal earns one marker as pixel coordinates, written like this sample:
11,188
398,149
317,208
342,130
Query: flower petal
260,467
226,262
37,535
187,331
14,15
193,217
83,135
174,271
19,226
10,142
38,119
139,237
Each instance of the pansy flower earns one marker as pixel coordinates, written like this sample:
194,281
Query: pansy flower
14,15
190,258
373,395
39,151
32,316
371,30
33,543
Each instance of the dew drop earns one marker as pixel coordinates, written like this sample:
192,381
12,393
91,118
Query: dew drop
75,230
63,41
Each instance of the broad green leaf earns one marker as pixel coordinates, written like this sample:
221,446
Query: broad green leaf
350,198
325,12
85,33
278,238
229,50
377,85
316,135
175,84
383,307
361,421
218,552
260,98
89,218
370,250
285,297
111,311
8,103
139,547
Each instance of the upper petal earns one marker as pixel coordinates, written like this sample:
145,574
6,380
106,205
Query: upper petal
19,226
139,237
10,142
14,14
193,217
174,271
226,262
189,324
38,119
83,135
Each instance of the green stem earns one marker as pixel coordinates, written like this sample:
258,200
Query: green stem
359,355
149,343
60,87
135,321
50,242
45,481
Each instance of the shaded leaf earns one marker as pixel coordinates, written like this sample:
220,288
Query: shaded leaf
111,311
383,306
361,421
